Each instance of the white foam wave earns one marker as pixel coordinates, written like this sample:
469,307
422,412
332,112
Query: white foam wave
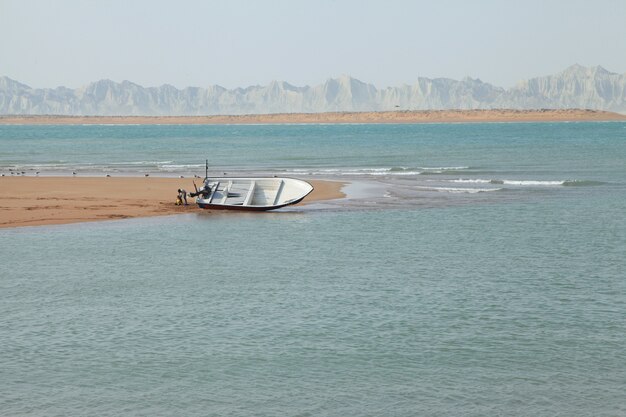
508,182
471,181
443,168
531,182
376,172
138,163
459,190
177,167
39,167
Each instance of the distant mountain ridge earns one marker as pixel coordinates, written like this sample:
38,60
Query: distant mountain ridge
576,87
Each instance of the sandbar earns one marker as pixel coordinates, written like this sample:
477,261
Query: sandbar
402,116
35,201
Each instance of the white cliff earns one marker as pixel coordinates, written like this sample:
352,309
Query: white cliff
576,87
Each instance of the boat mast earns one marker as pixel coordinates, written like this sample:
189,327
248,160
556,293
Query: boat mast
206,169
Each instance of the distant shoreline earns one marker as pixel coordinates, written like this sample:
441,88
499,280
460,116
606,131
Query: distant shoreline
421,116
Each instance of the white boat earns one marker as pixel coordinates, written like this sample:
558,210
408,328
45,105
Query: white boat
254,194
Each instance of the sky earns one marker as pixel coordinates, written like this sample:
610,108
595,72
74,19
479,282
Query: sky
238,43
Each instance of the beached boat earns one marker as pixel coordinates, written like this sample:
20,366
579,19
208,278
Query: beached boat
254,194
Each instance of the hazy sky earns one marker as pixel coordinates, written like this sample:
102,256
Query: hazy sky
46,43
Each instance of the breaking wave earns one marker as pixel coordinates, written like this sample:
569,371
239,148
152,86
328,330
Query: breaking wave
471,181
459,190
527,182
444,170
582,183
140,163
375,172
534,183
458,168
393,171
172,168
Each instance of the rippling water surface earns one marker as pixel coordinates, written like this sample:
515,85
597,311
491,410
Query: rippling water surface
417,295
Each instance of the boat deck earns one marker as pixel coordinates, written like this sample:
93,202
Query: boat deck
251,192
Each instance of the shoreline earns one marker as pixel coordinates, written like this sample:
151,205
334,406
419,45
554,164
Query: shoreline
401,116
39,201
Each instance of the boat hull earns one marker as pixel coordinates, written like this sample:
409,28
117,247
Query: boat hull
245,208
252,194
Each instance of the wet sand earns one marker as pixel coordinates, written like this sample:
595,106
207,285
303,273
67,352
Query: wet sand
425,116
35,201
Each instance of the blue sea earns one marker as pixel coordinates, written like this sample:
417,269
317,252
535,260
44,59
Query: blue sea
471,270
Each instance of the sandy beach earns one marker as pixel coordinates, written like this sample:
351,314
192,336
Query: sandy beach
34,201
426,116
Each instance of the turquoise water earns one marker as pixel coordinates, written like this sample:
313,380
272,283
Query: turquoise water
592,149
474,270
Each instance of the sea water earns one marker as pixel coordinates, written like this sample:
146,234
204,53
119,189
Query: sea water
473,269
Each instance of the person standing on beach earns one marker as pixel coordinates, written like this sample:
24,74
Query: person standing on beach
182,194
